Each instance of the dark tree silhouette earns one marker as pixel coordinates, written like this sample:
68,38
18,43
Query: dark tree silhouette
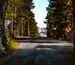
4,39
73,1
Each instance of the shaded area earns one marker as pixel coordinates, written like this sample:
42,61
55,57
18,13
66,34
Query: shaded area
56,47
60,56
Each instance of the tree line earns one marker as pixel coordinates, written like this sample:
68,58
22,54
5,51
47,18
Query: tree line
21,17
59,19
17,19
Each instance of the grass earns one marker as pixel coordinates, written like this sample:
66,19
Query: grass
11,44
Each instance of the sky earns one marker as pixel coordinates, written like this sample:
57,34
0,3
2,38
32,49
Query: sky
40,11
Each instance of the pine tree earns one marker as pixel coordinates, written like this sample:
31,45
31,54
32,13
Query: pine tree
2,22
23,17
57,18
28,16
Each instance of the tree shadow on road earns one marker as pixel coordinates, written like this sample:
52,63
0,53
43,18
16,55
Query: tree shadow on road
40,57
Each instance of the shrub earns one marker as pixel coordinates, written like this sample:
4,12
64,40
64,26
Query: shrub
10,44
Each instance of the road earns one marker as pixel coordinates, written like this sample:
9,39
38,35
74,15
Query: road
40,54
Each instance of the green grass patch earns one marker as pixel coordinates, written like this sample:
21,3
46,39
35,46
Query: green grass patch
10,44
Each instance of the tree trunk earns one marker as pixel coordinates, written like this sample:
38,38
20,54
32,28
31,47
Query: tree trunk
2,22
73,1
4,38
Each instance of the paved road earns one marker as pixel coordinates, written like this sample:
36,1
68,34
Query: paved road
27,45
41,54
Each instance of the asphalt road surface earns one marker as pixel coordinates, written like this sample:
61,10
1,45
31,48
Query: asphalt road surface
41,54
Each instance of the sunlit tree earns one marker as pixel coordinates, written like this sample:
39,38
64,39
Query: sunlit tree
23,16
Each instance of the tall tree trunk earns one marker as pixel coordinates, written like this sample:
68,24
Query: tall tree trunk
4,37
73,1
2,22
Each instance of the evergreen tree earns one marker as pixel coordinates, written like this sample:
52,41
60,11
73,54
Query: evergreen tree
73,1
28,15
24,15
56,18
2,22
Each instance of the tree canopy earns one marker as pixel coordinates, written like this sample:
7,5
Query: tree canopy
58,19
21,10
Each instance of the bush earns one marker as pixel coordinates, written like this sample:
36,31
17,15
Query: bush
10,44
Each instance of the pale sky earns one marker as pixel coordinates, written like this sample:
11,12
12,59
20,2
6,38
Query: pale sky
40,11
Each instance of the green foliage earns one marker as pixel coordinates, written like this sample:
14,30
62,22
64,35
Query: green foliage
57,18
10,8
25,12
22,15
10,43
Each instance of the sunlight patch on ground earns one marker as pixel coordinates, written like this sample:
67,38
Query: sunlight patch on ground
34,45
16,46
